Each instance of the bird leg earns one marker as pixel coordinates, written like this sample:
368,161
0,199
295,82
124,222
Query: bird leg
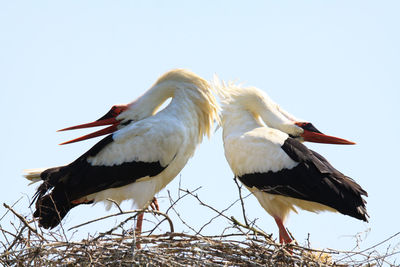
139,223
154,204
284,237
138,228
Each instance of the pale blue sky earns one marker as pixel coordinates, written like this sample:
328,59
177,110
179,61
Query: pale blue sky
334,63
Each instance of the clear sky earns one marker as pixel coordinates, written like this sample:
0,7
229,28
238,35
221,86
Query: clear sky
334,63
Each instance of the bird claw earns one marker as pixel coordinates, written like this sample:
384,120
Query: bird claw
154,204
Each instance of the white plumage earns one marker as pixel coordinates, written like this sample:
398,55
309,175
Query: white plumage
146,150
251,140
262,146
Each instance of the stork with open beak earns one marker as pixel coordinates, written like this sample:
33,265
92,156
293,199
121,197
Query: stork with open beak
263,148
142,152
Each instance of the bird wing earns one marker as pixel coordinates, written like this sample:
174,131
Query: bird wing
311,178
137,151
256,151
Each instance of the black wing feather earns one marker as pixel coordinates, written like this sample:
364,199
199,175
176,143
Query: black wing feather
61,185
313,179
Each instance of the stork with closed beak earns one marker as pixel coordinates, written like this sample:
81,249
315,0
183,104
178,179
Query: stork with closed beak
143,151
263,148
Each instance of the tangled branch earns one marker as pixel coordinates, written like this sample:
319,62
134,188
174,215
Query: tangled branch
239,244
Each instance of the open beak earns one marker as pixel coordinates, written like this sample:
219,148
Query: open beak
108,119
311,134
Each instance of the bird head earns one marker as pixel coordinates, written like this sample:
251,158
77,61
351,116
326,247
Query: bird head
261,105
110,118
311,134
274,116
149,103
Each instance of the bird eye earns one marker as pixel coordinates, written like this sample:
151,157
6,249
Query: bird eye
124,123
308,126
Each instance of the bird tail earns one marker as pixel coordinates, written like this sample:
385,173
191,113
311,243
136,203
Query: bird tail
52,202
33,175
52,208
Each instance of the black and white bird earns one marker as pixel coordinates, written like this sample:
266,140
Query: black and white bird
143,151
263,146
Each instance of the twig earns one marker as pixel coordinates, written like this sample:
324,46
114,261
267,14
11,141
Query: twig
22,219
240,244
241,200
171,225
9,209
374,246
115,228
116,204
204,204
224,210
177,213
267,237
173,203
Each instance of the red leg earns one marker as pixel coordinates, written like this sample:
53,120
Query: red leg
154,204
139,223
138,228
284,237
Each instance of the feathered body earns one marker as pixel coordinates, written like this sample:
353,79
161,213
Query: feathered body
139,159
263,148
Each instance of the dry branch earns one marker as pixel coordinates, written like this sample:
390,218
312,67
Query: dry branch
239,244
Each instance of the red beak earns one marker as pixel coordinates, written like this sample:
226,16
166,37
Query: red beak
311,134
108,119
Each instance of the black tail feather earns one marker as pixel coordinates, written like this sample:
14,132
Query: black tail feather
74,181
52,208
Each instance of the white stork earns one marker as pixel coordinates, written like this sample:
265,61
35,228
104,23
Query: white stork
143,152
263,148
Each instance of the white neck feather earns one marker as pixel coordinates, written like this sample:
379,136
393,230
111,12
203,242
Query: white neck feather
257,104
190,94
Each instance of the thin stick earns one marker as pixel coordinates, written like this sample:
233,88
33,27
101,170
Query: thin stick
374,246
268,237
11,207
116,204
22,219
241,200
171,225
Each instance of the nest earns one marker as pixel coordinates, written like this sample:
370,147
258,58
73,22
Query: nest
169,249
243,245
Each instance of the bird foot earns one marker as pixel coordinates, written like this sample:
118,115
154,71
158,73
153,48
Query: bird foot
284,237
154,204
